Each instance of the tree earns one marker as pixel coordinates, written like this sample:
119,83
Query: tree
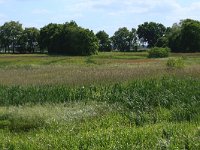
151,32
174,38
190,35
1,42
104,41
32,38
10,35
69,39
123,39
48,34
185,36
133,39
28,41
162,42
85,42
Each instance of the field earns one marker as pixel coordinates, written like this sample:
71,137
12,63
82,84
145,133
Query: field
111,100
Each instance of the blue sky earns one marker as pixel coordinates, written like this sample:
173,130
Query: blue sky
97,15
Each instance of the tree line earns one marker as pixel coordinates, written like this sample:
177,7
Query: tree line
71,39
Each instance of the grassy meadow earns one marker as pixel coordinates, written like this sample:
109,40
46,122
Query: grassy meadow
112,100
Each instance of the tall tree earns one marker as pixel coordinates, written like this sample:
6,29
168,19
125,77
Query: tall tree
68,39
174,38
185,36
104,41
151,32
133,39
123,39
164,40
29,40
48,34
32,38
190,35
1,42
10,35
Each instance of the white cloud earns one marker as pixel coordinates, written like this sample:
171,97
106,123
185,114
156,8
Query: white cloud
112,14
183,12
102,14
118,6
88,5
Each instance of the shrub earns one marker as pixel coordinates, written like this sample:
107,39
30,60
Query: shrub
68,39
157,52
175,63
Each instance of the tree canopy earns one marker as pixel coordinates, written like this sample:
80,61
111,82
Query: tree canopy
150,32
104,41
123,39
185,36
71,39
29,40
10,34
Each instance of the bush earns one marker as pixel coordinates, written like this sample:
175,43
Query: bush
175,63
68,39
157,52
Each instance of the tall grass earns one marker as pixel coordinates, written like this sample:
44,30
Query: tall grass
40,109
160,113
139,94
75,75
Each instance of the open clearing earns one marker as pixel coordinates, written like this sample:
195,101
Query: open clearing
108,101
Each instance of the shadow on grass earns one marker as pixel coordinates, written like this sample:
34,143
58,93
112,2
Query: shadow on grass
21,123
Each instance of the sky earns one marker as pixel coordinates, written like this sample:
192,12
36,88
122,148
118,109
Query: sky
107,15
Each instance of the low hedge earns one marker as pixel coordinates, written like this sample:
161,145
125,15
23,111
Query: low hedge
158,52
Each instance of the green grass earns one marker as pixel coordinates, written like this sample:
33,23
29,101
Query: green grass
103,58
94,126
107,101
150,92
26,70
8,60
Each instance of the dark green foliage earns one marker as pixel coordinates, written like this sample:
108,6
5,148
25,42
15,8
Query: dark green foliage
190,35
29,41
104,41
185,36
47,35
175,41
124,40
71,39
157,52
162,42
151,32
68,39
10,34
14,39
